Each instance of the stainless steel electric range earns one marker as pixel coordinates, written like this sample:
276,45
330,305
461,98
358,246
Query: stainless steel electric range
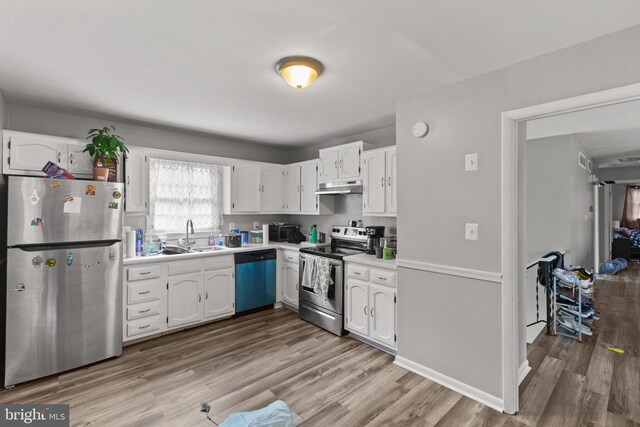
328,313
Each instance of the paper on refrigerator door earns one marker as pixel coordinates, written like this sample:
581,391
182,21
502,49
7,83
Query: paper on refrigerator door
73,206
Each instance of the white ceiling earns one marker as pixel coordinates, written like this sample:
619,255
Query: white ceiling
207,65
606,133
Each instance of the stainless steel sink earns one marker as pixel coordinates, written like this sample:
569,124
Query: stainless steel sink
208,249
174,250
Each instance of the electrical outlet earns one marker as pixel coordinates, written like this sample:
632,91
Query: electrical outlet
471,162
256,225
232,226
471,231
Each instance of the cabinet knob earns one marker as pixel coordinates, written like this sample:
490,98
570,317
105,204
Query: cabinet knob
365,310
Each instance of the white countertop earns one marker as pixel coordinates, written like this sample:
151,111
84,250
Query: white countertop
372,261
226,251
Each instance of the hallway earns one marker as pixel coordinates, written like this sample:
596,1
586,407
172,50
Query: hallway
574,384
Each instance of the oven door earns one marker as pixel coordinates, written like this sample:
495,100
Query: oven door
335,294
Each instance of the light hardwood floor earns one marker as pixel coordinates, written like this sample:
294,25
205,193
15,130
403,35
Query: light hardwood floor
248,362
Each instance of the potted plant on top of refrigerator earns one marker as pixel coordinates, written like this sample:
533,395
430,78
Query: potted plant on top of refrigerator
105,149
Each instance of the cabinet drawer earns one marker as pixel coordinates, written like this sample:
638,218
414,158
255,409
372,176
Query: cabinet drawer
182,267
290,256
358,271
216,262
143,310
148,290
141,273
143,326
383,277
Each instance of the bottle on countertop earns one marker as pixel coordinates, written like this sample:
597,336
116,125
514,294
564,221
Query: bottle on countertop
212,239
313,235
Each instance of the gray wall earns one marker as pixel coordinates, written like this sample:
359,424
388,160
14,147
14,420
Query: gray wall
548,175
438,197
61,124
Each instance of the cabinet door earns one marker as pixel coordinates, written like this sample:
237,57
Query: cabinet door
271,188
329,160
357,307
136,181
383,314
245,181
391,199
219,293
185,299
292,189
308,187
290,288
373,182
29,154
79,162
349,162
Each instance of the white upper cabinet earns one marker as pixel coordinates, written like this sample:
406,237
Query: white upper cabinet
391,198
349,163
374,182
379,195
329,160
308,187
341,163
292,189
136,169
246,188
271,184
27,154
80,163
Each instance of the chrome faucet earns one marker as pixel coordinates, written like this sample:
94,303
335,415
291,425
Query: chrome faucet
189,242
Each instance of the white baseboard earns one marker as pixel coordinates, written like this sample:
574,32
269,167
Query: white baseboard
523,371
455,385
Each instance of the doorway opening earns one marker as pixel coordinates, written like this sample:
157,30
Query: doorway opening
582,240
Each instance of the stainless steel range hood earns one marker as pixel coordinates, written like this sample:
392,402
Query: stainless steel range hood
349,187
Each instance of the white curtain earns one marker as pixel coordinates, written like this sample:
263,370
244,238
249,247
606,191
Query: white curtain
179,191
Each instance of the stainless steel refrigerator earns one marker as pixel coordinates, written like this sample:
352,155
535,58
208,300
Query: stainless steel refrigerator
63,295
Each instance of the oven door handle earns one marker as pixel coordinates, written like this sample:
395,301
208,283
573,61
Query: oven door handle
306,307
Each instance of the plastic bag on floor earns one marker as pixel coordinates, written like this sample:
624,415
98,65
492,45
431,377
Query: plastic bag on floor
277,414
612,267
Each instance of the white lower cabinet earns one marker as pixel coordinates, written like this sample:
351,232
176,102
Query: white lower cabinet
290,278
382,314
219,293
161,296
370,308
184,299
357,307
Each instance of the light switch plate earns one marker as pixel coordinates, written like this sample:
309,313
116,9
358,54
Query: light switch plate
232,226
256,225
471,231
471,162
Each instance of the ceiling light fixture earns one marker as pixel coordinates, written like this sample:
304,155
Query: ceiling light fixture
299,71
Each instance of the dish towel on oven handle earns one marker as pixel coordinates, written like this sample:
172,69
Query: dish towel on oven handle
322,280
308,274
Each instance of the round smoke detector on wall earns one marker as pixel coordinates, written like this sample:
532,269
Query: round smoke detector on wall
420,129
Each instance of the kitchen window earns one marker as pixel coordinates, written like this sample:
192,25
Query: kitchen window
179,191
